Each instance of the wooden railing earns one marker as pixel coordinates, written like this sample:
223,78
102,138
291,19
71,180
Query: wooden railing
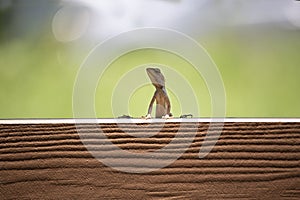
251,160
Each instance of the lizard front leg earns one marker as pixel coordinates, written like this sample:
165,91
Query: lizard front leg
148,116
168,105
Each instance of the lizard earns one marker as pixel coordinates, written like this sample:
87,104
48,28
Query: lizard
163,105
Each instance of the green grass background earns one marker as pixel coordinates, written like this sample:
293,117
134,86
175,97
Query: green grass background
260,71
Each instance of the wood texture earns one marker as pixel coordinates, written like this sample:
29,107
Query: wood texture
249,161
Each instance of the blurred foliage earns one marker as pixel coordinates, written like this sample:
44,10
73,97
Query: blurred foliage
261,72
259,66
32,82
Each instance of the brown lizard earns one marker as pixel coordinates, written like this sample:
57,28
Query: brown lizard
163,105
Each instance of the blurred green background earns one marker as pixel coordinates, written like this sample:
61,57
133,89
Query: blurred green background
255,46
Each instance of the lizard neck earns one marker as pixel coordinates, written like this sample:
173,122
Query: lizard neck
161,88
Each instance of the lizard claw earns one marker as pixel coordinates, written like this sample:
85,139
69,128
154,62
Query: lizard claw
148,116
166,116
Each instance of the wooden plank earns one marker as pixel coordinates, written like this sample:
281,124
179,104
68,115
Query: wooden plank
251,160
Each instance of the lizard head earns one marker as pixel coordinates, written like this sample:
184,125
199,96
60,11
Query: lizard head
156,77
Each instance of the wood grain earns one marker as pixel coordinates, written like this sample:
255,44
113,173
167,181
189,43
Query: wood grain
249,161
